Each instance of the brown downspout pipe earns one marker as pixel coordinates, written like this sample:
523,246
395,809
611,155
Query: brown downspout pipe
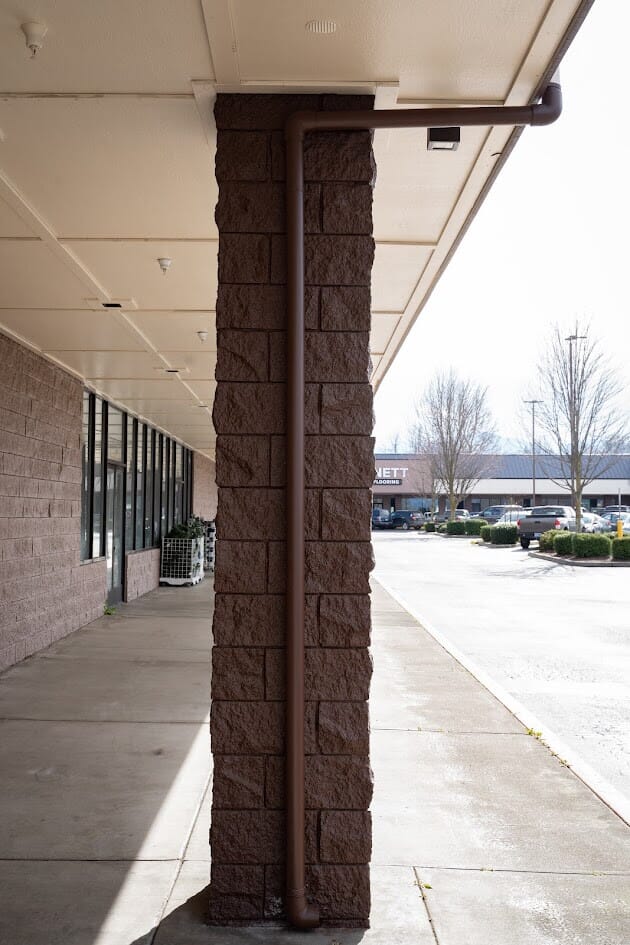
300,913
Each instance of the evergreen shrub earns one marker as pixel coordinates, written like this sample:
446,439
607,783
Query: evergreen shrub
621,549
592,546
455,528
503,534
563,543
474,525
545,542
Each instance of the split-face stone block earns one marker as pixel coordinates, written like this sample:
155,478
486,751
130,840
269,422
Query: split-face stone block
249,660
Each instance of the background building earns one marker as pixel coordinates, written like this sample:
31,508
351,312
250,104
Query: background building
403,481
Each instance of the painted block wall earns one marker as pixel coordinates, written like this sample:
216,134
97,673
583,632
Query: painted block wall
142,572
204,496
45,590
247,835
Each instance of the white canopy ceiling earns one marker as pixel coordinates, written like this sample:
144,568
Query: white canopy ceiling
107,163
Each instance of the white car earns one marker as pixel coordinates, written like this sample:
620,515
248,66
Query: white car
512,517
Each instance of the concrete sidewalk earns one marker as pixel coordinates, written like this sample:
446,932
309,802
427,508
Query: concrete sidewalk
104,767
481,836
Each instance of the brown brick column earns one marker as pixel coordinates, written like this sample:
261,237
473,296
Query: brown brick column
248,687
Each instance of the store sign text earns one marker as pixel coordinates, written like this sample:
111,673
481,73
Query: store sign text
390,475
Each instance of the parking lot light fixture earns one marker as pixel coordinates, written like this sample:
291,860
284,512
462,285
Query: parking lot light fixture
533,406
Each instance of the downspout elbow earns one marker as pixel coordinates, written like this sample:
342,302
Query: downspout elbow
300,913
550,107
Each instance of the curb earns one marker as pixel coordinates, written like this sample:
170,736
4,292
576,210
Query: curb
579,562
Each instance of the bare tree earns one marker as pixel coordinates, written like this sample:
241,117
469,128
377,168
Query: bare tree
455,432
580,422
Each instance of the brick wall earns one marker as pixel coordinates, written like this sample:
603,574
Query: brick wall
45,591
204,500
142,572
248,738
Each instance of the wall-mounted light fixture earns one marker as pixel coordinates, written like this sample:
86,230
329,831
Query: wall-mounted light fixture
34,33
164,262
202,335
443,139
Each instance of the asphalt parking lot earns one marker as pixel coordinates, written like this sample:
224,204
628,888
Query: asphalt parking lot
553,639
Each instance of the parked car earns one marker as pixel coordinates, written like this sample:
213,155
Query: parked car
617,508
494,512
610,520
544,518
593,524
406,520
445,516
381,519
512,517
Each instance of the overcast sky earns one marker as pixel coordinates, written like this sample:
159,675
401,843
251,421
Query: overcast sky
549,244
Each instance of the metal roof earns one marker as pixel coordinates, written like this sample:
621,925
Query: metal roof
519,465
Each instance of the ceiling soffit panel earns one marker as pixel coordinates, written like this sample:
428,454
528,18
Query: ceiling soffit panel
177,331
416,188
383,327
11,225
397,268
129,269
70,330
94,365
33,277
195,365
122,166
437,49
114,46
129,390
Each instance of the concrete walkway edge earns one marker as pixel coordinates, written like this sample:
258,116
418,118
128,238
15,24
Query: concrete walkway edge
605,791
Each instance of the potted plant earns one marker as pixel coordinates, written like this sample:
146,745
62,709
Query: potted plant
181,561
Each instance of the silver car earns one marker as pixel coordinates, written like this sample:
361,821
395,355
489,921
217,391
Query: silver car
611,518
593,524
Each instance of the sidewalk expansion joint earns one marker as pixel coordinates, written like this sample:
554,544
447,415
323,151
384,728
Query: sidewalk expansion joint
425,903
515,871
446,731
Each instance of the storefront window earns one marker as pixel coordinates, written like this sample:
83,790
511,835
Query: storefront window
114,435
130,481
86,477
141,448
97,501
155,472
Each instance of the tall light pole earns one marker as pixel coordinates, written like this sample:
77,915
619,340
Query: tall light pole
575,473
533,406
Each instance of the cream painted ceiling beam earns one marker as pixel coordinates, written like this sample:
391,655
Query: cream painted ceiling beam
93,95
217,16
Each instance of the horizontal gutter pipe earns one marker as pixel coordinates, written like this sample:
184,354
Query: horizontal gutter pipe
300,913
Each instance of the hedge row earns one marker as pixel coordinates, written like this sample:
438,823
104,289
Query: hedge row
621,549
429,527
474,525
499,534
591,546
455,528
584,546
545,542
563,543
